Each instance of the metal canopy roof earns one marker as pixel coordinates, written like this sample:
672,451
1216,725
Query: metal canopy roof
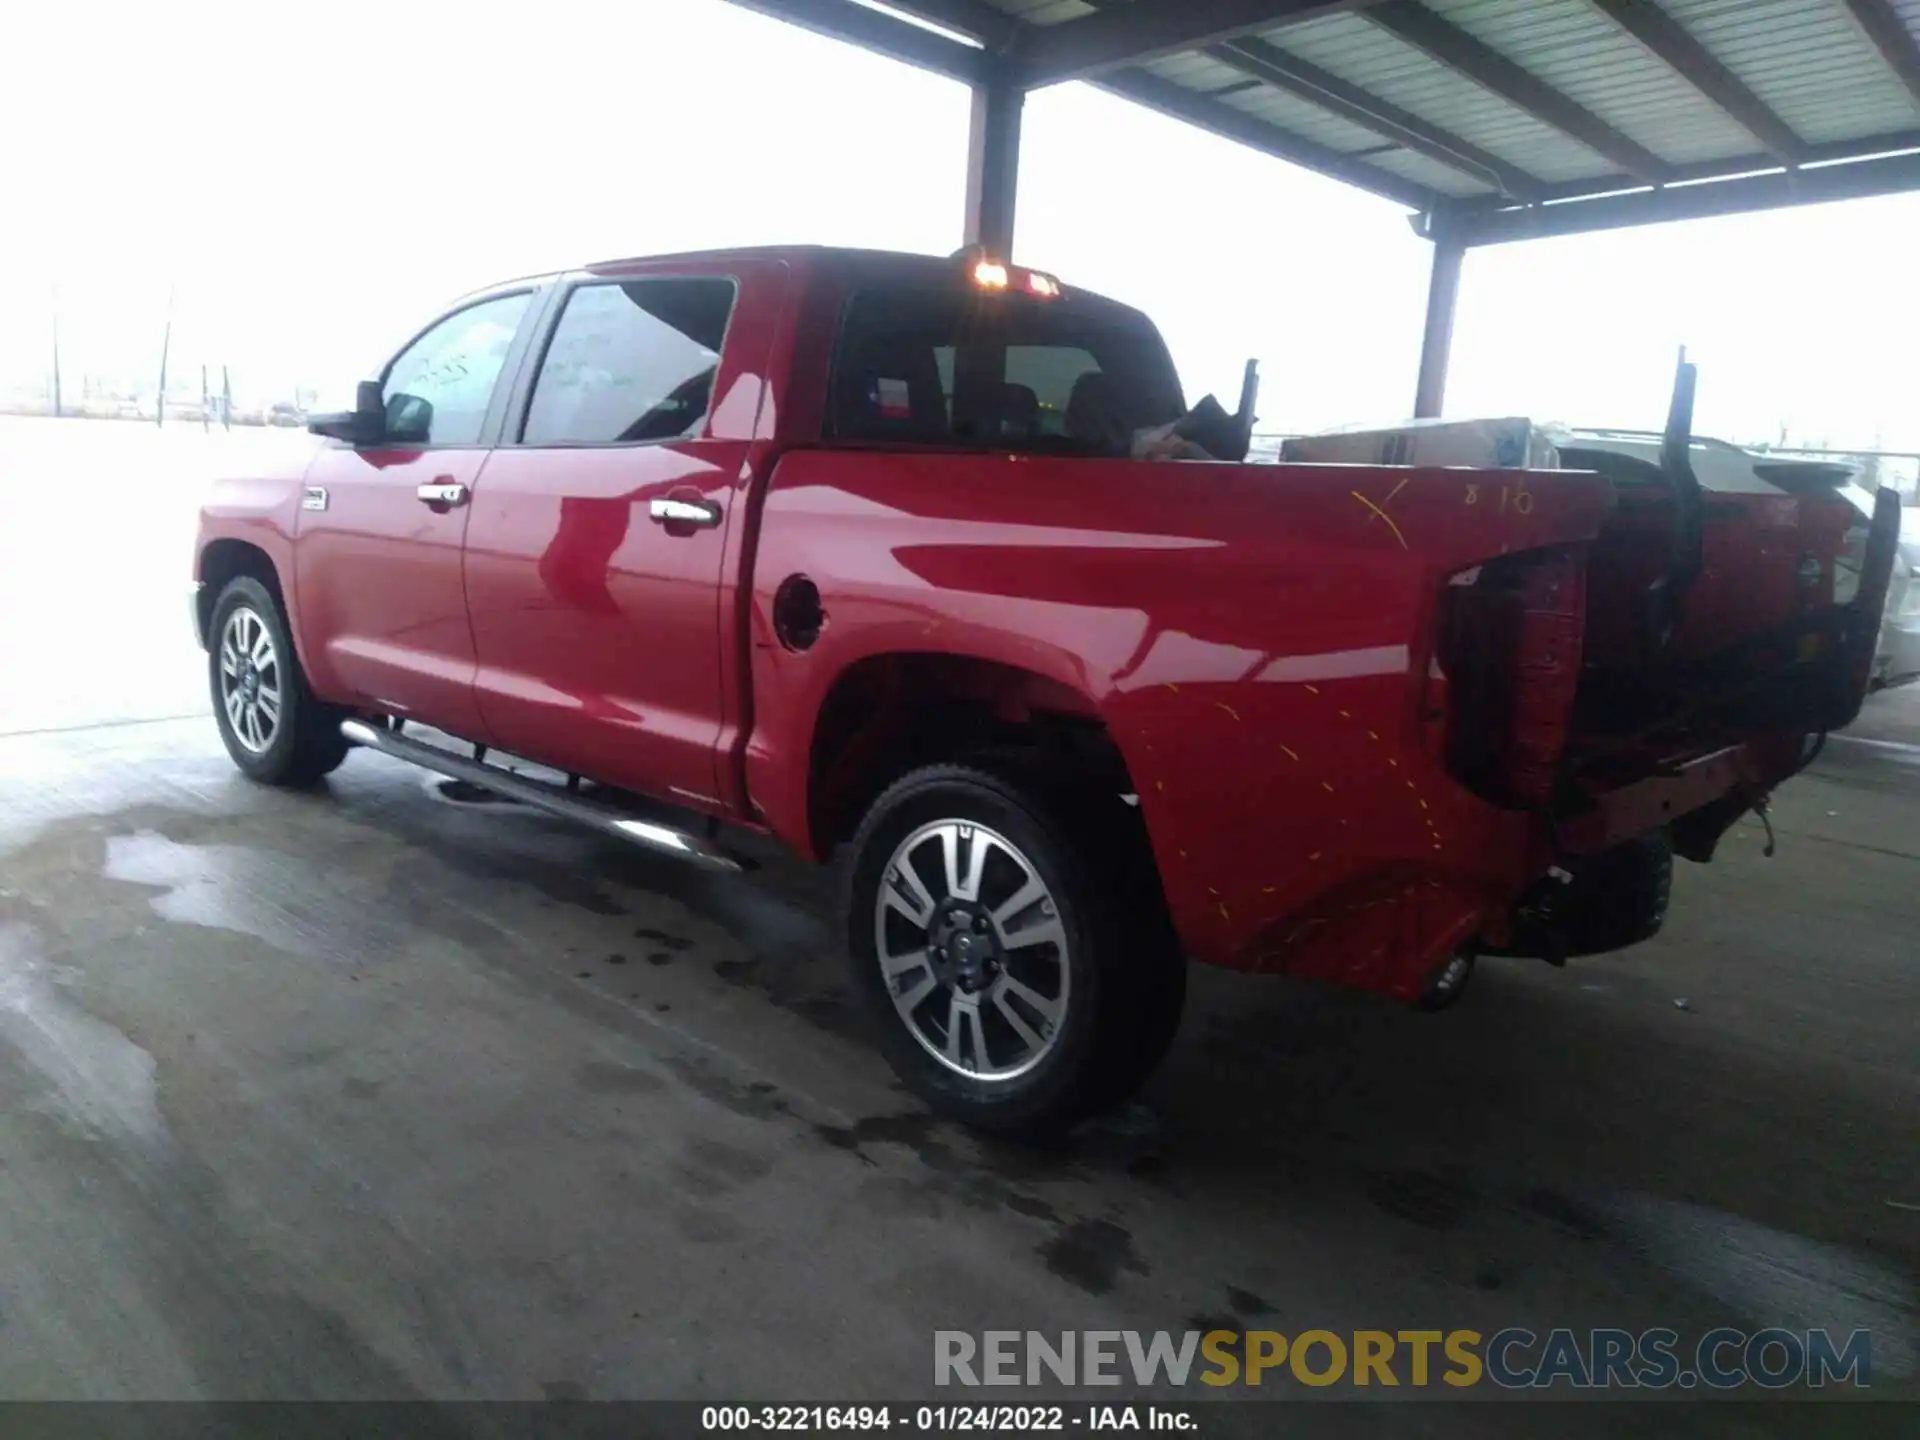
1494,120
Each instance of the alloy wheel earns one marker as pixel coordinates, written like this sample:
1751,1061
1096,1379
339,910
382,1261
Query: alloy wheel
972,950
250,680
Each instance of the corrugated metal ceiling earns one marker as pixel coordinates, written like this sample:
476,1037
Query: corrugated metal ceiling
1805,79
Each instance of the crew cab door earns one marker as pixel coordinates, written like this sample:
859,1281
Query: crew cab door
377,560
599,537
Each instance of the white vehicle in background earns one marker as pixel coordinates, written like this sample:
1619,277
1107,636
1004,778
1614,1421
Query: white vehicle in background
1727,468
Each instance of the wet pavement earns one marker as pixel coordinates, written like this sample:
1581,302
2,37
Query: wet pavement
378,1092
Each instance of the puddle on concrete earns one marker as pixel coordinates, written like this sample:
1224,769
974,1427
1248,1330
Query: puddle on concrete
268,896
1775,1277
96,1078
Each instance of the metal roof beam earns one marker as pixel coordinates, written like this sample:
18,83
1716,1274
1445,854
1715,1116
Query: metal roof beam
1143,30
1145,88
1494,72
992,28
876,30
1779,189
1891,36
1734,166
1289,72
1668,42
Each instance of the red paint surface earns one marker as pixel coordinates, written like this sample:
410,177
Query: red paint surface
1255,638
382,611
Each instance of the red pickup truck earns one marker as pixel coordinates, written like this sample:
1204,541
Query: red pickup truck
855,549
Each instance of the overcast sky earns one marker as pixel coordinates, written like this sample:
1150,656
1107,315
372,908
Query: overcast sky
311,180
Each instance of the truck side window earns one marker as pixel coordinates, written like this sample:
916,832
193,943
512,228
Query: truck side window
629,362
438,389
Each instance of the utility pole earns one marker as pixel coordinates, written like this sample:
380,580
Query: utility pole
226,398
206,400
56,352
166,343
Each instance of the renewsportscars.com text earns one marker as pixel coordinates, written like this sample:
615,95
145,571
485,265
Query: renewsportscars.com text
1514,1358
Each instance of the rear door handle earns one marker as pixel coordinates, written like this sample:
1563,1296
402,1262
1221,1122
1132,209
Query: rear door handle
699,514
442,494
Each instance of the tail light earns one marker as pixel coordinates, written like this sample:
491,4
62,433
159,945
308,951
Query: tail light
1509,647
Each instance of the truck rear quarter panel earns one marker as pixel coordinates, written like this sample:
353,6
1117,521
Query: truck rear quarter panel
1257,640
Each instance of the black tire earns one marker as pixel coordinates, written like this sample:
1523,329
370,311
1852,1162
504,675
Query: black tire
1124,973
1613,900
1447,982
305,743
1632,885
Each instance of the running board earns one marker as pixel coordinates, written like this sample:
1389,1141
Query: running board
649,834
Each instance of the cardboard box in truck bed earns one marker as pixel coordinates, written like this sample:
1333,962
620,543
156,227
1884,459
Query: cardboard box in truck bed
1508,444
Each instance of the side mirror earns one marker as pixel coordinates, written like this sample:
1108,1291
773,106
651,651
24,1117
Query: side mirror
365,424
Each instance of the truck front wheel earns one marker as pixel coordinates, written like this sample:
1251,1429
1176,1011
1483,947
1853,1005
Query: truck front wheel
1022,979
274,727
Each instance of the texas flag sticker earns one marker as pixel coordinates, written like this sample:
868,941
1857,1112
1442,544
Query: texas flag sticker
893,399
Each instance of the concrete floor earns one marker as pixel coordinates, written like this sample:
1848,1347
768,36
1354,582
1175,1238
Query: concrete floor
368,1093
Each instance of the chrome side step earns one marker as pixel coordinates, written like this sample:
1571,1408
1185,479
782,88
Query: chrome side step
650,834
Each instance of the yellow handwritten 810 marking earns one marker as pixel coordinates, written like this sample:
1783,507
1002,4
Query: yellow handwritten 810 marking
1512,497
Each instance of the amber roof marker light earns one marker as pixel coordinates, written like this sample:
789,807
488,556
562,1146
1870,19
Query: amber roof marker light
989,273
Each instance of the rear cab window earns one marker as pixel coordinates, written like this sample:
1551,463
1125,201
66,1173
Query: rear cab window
938,362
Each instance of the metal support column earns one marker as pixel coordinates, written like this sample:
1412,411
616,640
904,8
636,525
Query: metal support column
993,163
1436,345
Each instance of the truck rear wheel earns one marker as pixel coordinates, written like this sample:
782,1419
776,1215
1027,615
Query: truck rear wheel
1021,978
274,728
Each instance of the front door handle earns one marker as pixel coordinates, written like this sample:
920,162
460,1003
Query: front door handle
442,494
697,514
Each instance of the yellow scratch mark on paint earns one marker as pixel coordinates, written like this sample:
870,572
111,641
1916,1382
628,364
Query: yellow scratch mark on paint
1266,889
1373,734
1213,892
1171,686
1346,714
1384,516
1393,762
1326,786
1289,752
1183,854
1409,785
1228,708
1313,689
1423,806
1160,785
1223,913
1314,856
1405,481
